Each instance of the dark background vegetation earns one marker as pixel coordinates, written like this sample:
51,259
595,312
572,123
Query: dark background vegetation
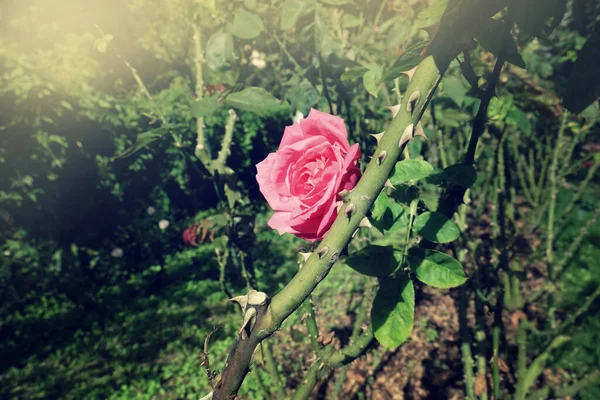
80,321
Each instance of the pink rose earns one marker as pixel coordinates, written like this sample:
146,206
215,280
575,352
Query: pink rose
302,179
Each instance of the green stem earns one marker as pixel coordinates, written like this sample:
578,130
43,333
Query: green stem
271,368
201,151
465,346
495,367
311,324
553,194
219,163
571,390
358,203
332,359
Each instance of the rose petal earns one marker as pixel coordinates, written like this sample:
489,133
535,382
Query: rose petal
330,127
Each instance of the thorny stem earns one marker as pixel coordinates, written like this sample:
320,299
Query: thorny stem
455,24
311,324
465,345
201,151
553,194
332,359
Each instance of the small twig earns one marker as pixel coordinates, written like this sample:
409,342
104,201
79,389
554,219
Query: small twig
206,362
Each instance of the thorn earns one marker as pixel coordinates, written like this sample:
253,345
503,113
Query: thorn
257,356
394,109
241,300
410,73
339,205
305,256
406,135
419,131
344,193
365,223
412,101
248,317
257,298
350,209
323,252
381,157
389,184
377,136
334,257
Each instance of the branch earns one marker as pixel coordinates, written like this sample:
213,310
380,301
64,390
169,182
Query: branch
358,202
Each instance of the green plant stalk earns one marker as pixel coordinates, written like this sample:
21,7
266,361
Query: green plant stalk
311,324
413,212
465,345
570,252
571,390
271,368
520,173
580,191
339,382
495,368
572,317
332,359
521,361
537,365
219,164
201,151
324,354
262,385
553,193
425,80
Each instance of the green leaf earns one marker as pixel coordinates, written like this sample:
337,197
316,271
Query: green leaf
436,10
219,50
142,140
102,44
410,170
253,99
407,61
379,205
458,174
392,316
372,78
436,269
520,118
391,219
351,21
494,36
373,260
303,96
436,227
206,106
405,194
584,82
454,88
246,25
354,73
292,11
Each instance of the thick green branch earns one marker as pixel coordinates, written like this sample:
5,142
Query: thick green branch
358,202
